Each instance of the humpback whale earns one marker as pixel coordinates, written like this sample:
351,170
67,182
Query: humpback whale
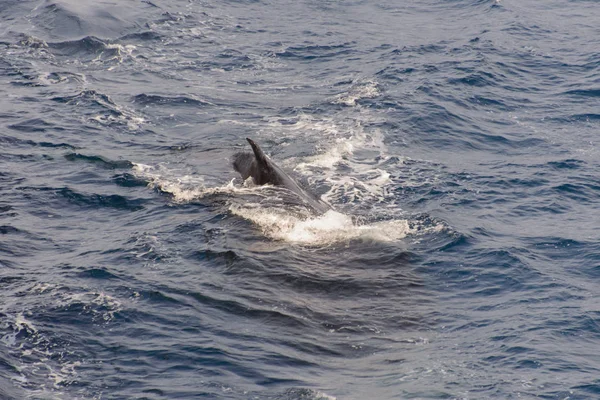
264,171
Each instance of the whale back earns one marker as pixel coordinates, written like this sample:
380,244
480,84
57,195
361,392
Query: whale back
264,171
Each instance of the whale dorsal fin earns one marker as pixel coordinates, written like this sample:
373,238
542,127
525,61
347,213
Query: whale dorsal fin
258,153
264,171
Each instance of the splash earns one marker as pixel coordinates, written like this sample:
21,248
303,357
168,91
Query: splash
351,159
329,158
183,188
327,229
354,167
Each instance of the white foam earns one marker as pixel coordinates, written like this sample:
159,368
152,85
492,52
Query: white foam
122,52
329,228
133,122
361,90
308,125
47,79
364,180
324,396
108,302
183,188
124,115
23,324
330,157
43,367
34,42
65,375
39,358
186,188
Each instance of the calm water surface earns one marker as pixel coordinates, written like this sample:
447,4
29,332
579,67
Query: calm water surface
457,142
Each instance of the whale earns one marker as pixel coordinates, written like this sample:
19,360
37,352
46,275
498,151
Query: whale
265,172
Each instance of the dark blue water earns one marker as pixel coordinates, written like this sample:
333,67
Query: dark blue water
457,141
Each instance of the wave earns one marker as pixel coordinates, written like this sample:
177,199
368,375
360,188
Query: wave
100,108
152,99
306,53
99,161
584,92
32,125
99,200
92,50
69,19
61,77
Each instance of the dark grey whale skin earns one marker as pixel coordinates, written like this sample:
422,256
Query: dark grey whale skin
264,171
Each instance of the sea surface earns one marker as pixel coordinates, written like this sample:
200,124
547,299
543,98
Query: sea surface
457,141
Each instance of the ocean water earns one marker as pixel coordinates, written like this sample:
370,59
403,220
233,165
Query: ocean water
457,142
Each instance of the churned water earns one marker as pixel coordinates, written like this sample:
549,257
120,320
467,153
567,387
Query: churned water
457,142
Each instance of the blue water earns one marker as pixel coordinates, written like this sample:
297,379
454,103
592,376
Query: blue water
457,142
